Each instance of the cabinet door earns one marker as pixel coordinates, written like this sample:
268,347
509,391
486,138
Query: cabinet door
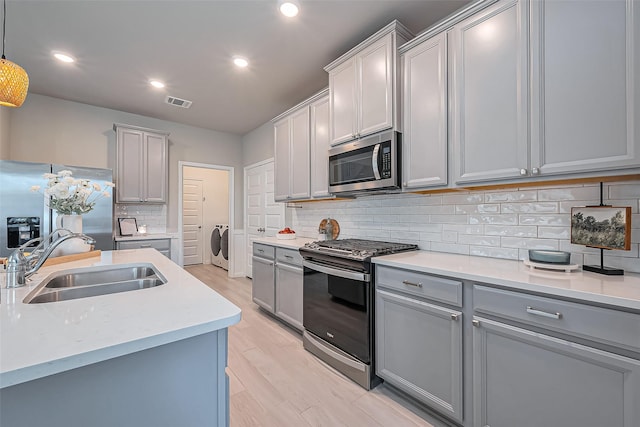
489,93
319,142
527,379
300,174
374,98
129,185
425,114
342,102
263,284
155,168
289,295
419,350
583,111
282,157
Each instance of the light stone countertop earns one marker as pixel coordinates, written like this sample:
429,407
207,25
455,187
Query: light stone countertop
296,243
619,291
148,236
38,340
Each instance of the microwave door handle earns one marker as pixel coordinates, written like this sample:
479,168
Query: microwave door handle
374,161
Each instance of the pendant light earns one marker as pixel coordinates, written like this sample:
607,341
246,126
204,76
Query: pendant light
14,81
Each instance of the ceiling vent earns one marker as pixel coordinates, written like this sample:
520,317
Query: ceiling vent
182,103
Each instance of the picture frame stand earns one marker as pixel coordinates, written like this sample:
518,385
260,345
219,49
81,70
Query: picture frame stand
602,269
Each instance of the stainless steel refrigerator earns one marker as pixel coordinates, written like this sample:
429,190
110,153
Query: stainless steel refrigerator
24,215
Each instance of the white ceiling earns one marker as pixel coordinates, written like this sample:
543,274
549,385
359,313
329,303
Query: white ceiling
120,45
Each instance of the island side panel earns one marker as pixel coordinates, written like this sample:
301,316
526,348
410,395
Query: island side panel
178,384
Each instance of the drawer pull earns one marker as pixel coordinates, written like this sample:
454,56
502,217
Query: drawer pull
454,316
145,246
475,323
417,285
542,313
288,257
261,251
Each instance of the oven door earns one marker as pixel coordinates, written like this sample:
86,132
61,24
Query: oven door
337,307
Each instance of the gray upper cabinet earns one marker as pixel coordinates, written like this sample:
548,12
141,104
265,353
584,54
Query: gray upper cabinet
292,167
585,108
544,88
320,145
424,69
489,86
363,86
141,167
527,379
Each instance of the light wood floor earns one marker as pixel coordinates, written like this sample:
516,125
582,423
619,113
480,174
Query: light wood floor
275,382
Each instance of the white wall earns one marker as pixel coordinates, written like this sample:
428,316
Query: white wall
48,129
257,145
4,132
498,224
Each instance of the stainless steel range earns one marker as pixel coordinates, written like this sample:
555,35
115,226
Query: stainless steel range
338,309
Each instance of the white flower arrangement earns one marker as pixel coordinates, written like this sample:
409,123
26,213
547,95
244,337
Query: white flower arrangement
68,195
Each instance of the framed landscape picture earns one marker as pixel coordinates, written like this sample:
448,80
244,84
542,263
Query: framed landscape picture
606,227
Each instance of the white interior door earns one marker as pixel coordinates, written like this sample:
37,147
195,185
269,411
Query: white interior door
264,217
192,217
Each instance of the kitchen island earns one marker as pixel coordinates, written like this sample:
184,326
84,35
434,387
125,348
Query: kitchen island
153,356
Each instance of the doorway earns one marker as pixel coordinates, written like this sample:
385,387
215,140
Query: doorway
262,215
206,206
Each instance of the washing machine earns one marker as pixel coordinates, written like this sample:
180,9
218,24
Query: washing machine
220,246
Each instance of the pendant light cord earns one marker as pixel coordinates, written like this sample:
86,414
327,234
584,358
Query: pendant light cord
4,25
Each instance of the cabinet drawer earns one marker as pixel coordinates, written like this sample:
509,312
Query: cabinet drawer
264,251
421,284
159,244
289,256
590,322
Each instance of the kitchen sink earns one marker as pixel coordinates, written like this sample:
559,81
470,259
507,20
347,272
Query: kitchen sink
94,281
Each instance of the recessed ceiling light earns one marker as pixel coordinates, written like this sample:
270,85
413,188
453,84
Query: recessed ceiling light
63,57
240,61
289,8
156,83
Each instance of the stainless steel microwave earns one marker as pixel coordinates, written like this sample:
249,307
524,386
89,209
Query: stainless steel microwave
368,164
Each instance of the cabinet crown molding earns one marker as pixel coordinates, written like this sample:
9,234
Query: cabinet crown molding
308,101
394,26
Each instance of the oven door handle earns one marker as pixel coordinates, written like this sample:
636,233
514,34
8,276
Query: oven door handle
345,274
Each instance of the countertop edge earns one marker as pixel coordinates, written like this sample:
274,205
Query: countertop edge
496,280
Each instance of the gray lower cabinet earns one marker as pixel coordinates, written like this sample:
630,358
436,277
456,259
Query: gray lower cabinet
528,379
277,282
289,287
419,350
263,281
161,245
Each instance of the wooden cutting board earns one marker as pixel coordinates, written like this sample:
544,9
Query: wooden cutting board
334,224
74,257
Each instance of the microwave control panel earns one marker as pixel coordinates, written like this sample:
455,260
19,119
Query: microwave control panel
386,160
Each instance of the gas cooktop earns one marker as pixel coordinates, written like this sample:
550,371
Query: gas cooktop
357,248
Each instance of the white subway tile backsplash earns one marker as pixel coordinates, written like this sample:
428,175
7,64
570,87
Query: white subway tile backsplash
499,224
511,196
544,219
505,219
539,207
554,232
518,242
514,231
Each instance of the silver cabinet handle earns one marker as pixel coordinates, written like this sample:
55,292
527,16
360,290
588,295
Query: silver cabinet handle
523,172
535,171
475,323
288,257
145,246
543,313
455,316
417,285
261,251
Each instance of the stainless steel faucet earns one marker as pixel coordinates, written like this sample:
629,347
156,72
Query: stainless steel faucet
21,266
